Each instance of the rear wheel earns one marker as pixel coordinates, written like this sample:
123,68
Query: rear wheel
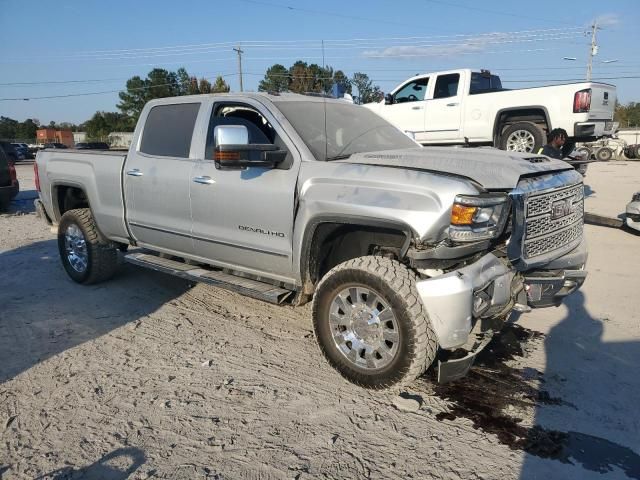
371,325
522,137
604,154
86,256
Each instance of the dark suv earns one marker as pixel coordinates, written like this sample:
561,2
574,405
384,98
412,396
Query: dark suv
8,181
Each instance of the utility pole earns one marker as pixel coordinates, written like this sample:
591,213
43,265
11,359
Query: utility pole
240,52
593,50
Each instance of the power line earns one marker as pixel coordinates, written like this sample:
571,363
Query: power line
541,34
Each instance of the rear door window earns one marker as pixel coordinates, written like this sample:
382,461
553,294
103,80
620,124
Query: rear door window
447,86
168,130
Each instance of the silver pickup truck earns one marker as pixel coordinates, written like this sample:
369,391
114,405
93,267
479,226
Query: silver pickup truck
412,256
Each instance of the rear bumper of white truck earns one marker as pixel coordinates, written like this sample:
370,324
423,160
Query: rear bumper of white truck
593,129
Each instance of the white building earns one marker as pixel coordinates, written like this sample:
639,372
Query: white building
120,139
79,137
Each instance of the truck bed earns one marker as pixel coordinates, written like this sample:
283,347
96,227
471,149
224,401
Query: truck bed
101,171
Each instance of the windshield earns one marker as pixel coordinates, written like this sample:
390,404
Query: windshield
484,83
349,129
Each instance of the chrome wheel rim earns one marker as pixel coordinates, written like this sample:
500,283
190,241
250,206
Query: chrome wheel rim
76,248
364,328
521,141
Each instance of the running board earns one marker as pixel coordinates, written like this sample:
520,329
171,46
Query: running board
245,286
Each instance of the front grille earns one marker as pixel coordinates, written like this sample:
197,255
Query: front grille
553,220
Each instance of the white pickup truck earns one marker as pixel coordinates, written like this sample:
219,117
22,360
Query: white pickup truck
469,107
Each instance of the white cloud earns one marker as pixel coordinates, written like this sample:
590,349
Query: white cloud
463,46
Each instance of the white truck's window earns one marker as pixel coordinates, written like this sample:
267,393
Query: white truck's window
412,92
447,86
168,130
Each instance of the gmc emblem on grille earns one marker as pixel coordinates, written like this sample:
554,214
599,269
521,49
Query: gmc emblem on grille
561,208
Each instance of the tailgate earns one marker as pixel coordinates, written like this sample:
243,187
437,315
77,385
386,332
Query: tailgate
603,101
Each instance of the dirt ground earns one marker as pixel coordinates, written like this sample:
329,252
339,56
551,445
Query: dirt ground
146,376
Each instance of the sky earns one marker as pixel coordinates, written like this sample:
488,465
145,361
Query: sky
82,52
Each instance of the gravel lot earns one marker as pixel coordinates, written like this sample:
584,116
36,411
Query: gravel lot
147,376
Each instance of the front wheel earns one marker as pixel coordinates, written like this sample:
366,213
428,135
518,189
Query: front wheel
370,324
523,137
86,256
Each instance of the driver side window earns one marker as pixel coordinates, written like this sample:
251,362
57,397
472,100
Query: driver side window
414,91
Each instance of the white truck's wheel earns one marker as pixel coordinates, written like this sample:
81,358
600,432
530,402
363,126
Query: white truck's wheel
522,137
371,325
86,256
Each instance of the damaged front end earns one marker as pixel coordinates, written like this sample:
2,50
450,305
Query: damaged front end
537,263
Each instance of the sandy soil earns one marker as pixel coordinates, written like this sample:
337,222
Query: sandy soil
146,376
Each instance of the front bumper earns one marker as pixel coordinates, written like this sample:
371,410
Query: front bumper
490,288
633,215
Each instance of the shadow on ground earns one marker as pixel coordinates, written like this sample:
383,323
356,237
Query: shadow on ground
45,313
117,465
494,396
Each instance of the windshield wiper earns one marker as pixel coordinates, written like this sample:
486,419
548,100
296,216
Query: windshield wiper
339,157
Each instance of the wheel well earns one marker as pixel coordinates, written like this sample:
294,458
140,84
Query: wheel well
334,243
533,115
67,198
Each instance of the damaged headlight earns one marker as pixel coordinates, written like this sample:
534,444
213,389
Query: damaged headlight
478,217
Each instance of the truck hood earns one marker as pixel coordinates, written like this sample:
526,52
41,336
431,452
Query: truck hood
493,169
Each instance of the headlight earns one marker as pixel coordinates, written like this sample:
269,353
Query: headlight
478,217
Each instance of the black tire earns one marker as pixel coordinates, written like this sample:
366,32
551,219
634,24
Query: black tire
634,150
101,256
395,285
586,151
5,202
604,154
531,128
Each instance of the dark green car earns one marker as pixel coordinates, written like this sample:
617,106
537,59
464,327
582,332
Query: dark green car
8,181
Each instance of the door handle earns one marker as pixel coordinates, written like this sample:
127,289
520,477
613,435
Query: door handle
417,108
135,172
455,104
205,180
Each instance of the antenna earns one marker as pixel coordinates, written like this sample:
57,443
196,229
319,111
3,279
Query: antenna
324,102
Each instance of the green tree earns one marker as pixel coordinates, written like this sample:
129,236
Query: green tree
8,128
27,130
220,86
160,83
367,92
301,80
101,124
628,115
275,80
204,86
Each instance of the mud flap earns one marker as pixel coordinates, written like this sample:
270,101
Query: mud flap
457,368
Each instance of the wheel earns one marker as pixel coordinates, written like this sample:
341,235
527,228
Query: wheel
522,137
86,256
370,323
634,150
604,154
584,151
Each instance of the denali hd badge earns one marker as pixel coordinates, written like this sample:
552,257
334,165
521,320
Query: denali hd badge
261,231
561,208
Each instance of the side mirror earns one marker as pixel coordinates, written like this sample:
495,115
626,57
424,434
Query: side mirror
233,150
388,99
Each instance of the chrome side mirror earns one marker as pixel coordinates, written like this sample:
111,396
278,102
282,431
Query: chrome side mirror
230,135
